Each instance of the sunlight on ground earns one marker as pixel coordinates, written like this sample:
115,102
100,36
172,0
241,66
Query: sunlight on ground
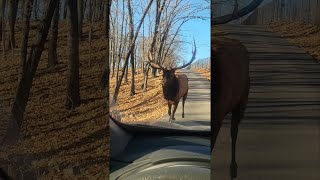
143,106
204,72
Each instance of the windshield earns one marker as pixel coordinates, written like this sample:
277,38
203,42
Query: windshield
160,63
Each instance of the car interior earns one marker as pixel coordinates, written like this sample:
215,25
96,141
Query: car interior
148,152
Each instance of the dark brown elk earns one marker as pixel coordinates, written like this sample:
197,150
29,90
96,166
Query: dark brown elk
174,86
231,88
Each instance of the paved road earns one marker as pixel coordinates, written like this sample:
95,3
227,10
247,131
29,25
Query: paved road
197,106
279,137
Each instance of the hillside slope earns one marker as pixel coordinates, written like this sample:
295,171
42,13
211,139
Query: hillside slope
54,138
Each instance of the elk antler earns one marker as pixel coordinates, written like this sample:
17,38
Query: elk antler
194,52
152,63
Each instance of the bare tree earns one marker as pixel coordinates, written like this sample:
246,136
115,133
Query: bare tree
130,50
80,17
36,9
131,26
12,12
25,83
65,9
106,72
167,27
73,94
53,38
121,41
91,20
114,38
159,10
3,25
2,19
27,9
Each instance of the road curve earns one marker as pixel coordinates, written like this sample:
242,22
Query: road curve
279,138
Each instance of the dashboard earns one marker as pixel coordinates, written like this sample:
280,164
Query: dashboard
153,153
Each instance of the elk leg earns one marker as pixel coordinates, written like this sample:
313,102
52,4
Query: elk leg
183,101
215,126
169,111
216,123
175,106
237,115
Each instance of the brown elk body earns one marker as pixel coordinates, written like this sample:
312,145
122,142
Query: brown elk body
231,88
174,86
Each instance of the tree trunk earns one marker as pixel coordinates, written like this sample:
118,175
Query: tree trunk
131,26
126,77
3,26
154,72
104,80
12,11
2,9
113,58
35,8
27,10
118,69
80,17
65,9
53,39
25,83
145,78
90,30
73,94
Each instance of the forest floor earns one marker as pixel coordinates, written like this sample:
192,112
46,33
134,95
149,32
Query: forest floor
204,72
306,36
143,106
62,144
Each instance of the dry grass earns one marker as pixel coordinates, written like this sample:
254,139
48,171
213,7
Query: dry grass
143,106
55,137
204,72
306,36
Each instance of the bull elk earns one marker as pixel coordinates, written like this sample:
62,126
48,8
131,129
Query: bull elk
231,88
174,86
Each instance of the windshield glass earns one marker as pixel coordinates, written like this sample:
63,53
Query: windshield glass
160,63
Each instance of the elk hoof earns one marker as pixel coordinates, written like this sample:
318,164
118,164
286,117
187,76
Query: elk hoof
182,115
233,170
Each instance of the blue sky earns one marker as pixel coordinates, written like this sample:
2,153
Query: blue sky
200,31
197,28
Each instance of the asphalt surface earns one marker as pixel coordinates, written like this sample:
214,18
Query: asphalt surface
277,152
279,138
